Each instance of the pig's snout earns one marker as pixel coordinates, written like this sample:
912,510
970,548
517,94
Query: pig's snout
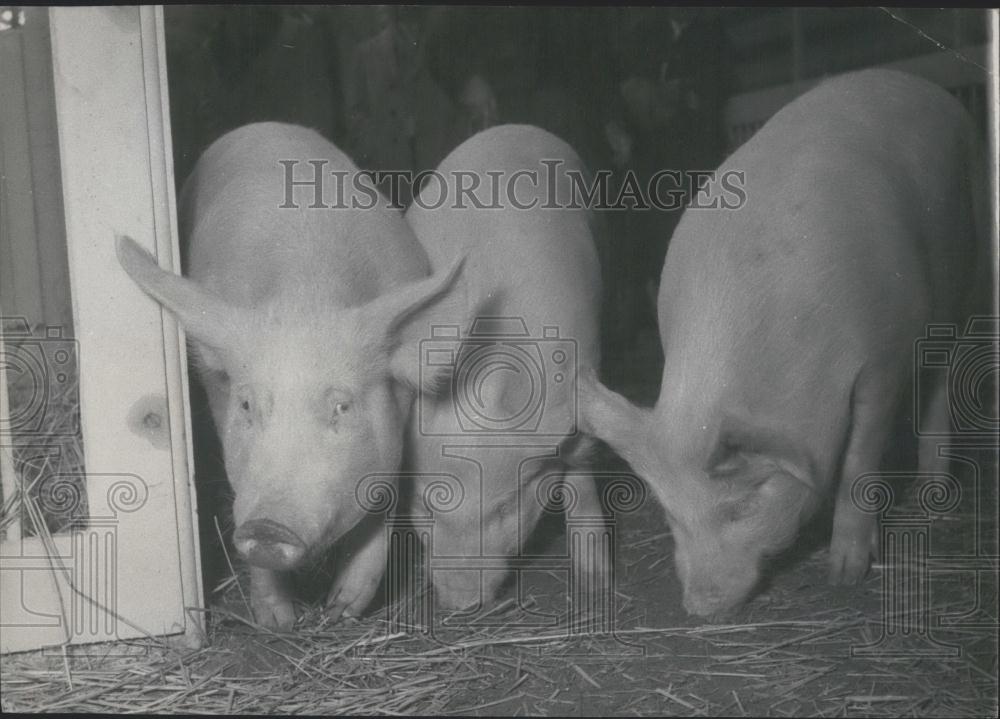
268,544
710,604
717,598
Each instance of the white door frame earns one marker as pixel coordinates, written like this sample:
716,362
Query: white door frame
134,570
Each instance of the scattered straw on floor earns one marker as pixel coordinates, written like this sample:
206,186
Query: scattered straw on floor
799,663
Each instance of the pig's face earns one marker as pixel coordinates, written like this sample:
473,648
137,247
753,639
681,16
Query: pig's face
733,493
309,398
308,415
725,524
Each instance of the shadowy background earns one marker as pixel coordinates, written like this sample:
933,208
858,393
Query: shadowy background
631,89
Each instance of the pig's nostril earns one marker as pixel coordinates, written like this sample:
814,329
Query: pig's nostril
267,531
702,603
268,544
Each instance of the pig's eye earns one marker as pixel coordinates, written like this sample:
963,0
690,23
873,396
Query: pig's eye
244,401
340,408
337,403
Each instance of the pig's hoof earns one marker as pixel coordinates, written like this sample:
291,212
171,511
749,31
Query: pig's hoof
273,612
849,561
347,600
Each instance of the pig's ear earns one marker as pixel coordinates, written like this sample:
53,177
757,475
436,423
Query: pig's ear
413,313
755,454
609,416
389,312
204,316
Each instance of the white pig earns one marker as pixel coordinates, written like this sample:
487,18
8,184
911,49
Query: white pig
296,314
530,263
788,326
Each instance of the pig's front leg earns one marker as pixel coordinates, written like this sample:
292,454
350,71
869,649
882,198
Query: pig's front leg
937,422
856,533
855,539
593,565
271,599
592,560
358,577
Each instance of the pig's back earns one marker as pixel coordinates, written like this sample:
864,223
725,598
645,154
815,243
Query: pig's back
854,234
539,264
852,193
245,246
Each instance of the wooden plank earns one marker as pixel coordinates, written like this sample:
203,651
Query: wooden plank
175,348
44,152
8,478
137,557
20,282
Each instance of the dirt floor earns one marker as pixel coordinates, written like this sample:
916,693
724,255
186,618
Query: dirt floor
915,639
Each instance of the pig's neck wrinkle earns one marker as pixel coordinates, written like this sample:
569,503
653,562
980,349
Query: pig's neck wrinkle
682,432
689,424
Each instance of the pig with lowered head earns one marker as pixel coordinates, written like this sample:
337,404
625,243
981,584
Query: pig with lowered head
788,326
531,286
297,316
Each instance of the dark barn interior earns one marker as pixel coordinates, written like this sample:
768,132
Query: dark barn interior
398,87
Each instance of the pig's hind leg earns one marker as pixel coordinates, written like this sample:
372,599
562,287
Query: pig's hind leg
855,532
935,429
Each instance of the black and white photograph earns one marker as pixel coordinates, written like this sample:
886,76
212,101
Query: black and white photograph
499,360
